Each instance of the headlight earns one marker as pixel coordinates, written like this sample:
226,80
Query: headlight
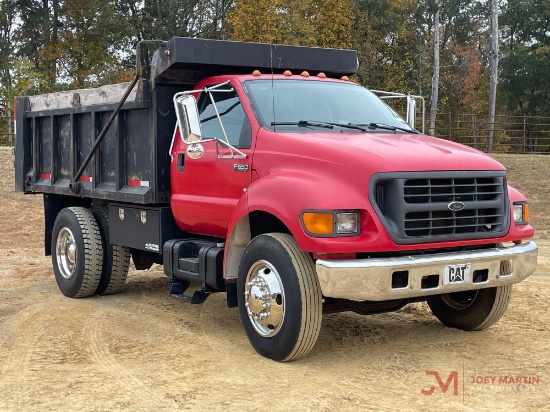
347,223
521,213
330,223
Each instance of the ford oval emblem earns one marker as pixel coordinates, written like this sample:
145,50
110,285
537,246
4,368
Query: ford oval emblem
456,206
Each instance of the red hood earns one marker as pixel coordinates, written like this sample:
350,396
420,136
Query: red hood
380,152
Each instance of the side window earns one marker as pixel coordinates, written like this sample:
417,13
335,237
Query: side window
232,115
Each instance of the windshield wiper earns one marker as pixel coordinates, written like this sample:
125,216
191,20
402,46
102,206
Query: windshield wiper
303,123
384,126
315,123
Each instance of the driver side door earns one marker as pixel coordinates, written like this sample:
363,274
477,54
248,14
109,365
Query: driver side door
206,190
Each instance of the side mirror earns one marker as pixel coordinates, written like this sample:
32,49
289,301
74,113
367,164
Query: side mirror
188,118
411,111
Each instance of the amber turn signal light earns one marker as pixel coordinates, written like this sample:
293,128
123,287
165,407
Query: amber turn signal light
318,223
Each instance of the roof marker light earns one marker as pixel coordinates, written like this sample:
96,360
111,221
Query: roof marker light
322,75
256,73
345,78
287,73
304,74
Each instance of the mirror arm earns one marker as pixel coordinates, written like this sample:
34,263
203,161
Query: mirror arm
172,143
219,120
207,89
240,155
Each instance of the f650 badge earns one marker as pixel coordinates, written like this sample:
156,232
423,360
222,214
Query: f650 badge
240,168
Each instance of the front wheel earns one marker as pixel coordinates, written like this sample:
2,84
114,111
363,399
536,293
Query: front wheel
471,310
280,302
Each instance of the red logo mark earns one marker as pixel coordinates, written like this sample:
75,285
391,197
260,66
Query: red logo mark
453,378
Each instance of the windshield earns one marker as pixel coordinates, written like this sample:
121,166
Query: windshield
285,103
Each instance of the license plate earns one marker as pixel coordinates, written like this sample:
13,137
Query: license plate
453,274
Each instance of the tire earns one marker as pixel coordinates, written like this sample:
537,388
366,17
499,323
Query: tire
77,252
471,310
116,258
275,273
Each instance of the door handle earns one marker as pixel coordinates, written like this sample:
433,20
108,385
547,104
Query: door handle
181,161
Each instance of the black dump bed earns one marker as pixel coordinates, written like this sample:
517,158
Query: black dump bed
55,132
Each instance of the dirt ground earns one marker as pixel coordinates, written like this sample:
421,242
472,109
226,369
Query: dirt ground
142,351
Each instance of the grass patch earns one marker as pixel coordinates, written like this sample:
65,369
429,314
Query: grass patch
530,174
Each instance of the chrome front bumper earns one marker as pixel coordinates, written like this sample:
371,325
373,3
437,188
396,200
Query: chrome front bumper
371,279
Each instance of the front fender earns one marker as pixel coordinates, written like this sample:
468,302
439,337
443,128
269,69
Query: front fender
521,231
286,194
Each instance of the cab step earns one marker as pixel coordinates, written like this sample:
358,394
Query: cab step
194,261
178,288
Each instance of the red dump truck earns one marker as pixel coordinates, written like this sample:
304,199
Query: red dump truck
261,171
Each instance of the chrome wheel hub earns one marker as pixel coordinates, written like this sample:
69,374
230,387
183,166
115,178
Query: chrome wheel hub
65,252
264,298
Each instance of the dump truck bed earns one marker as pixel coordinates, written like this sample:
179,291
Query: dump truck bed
56,132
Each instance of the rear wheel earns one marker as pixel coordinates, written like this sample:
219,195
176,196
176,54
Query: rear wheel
280,302
77,252
471,310
116,258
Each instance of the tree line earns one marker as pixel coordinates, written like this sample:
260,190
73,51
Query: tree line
51,45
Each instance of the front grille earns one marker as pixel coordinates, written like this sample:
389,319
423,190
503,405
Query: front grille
423,207
448,190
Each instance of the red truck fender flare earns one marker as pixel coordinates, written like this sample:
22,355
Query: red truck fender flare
283,195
